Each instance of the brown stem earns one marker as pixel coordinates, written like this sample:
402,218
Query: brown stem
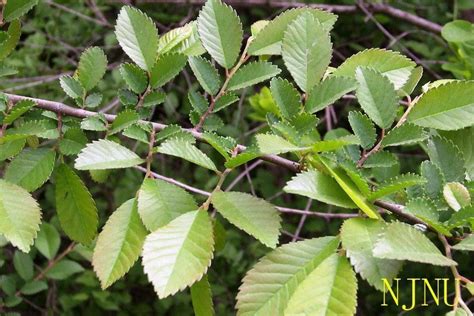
375,149
54,261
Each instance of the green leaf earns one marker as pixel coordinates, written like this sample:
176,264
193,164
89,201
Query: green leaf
328,91
358,236
105,154
24,130
253,215
267,288
273,144
93,123
135,78
187,151
72,141
251,74
11,148
31,168
412,82
153,99
166,68
397,68
123,120
376,96
462,217
396,184
160,202
406,134
138,37
18,110
381,159
206,74
23,265
12,37
456,195
306,51
447,157
425,210
268,40
181,40
198,102
48,241
434,177
363,128
458,31
119,244
401,241
225,100
15,9
34,287
64,269
20,215
93,100
466,244
286,97
71,86
76,208
320,187
221,32
242,158
91,68
201,297
223,145
356,176
177,255
330,289
463,140
447,107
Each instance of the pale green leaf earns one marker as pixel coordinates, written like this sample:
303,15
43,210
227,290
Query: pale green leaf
71,86
330,289
253,215
447,107
48,241
463,140
376,96
105,154
412,82
72,141
401,241
138,37
358,236
119,244
135,78
320,187
447,157
406,134
267,288
363,128
397,68
396,184
221,32
16,8
91,68
166,68
20,215
425,210
93,100
251,74
434,177
206,74
286,97
160,202
76,209
466,244
11,148
93,123
182,39
177,255
184,149
12,37
31,168
201,297
328,91
458,31
381,159
306,51
18,110
123,120
462,217
223,145
273,144
456,195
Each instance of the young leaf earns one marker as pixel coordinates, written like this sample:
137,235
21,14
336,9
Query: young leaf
160,202
456,195
286,97
401,241
466,244
119,244
406,134
252,74
181,40
76,209
446,107
138,37
72,87
91,68
31,168
268,40
377,97
12,37
206,74
221,32
363,128
20,215
320,187
397,68
187,151
177,255
358,236
201,297
48,241
306,51
328,91
105,154
273,144
447,157
135,78
166,68
396,184
123,120
336,283
15,9
255,216
267,288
